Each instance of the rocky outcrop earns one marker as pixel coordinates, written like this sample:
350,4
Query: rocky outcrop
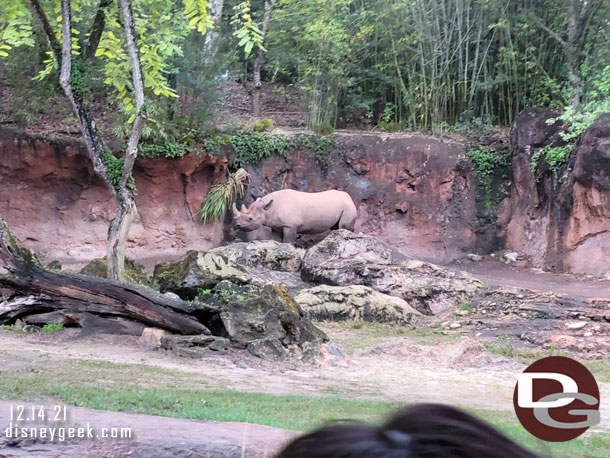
352,303
561,221
195,346
259,263
240,294
265,321
344,258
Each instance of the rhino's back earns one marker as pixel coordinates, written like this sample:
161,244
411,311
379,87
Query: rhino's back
326,198
309,211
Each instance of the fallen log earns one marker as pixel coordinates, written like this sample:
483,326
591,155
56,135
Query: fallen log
36,291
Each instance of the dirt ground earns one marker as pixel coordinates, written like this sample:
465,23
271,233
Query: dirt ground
388,364
397,369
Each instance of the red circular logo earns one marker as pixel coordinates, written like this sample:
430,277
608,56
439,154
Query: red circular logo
556,399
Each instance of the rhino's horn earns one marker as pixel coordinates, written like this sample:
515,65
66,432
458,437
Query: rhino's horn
243,208
235,210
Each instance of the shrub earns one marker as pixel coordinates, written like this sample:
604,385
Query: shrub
52,327
323,128
389,126
263,125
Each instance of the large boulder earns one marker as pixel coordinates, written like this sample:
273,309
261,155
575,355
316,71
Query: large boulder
345,258
266,321
337,303
258,263
197,271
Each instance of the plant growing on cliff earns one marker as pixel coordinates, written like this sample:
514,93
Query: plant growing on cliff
221,196
575,120
135,50
487,162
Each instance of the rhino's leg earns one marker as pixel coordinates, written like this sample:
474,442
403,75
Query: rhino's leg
347,221
289,234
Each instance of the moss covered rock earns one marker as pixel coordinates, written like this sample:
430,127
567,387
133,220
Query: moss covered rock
134,271
261,262
268,322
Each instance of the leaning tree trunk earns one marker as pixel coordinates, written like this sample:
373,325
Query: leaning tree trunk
96,30
124,197
256,93
127,210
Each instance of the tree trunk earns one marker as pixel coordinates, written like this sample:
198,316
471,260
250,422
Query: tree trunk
256,92
126,207
117,235
211,36
580,13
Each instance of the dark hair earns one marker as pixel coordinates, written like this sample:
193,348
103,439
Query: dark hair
419,431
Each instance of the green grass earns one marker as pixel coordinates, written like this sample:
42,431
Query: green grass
173,400
371,333
150,390
599,367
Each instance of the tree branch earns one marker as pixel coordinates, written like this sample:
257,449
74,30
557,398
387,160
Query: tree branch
48,31
96,30
552,33
138,85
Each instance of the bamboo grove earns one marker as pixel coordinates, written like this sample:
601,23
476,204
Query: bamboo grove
400,64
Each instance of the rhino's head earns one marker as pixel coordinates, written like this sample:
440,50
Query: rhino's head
250,219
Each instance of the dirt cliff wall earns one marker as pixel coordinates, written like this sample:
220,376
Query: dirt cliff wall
561,220
413,191
56,205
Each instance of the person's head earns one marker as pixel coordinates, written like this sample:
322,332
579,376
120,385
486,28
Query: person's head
420,431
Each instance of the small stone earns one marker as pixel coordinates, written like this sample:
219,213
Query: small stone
520,296
588,334
455,325
511,257
334,350
478,334
151,337
475,257
576,325
462,312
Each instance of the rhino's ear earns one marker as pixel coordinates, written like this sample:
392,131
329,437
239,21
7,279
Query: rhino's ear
267,206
